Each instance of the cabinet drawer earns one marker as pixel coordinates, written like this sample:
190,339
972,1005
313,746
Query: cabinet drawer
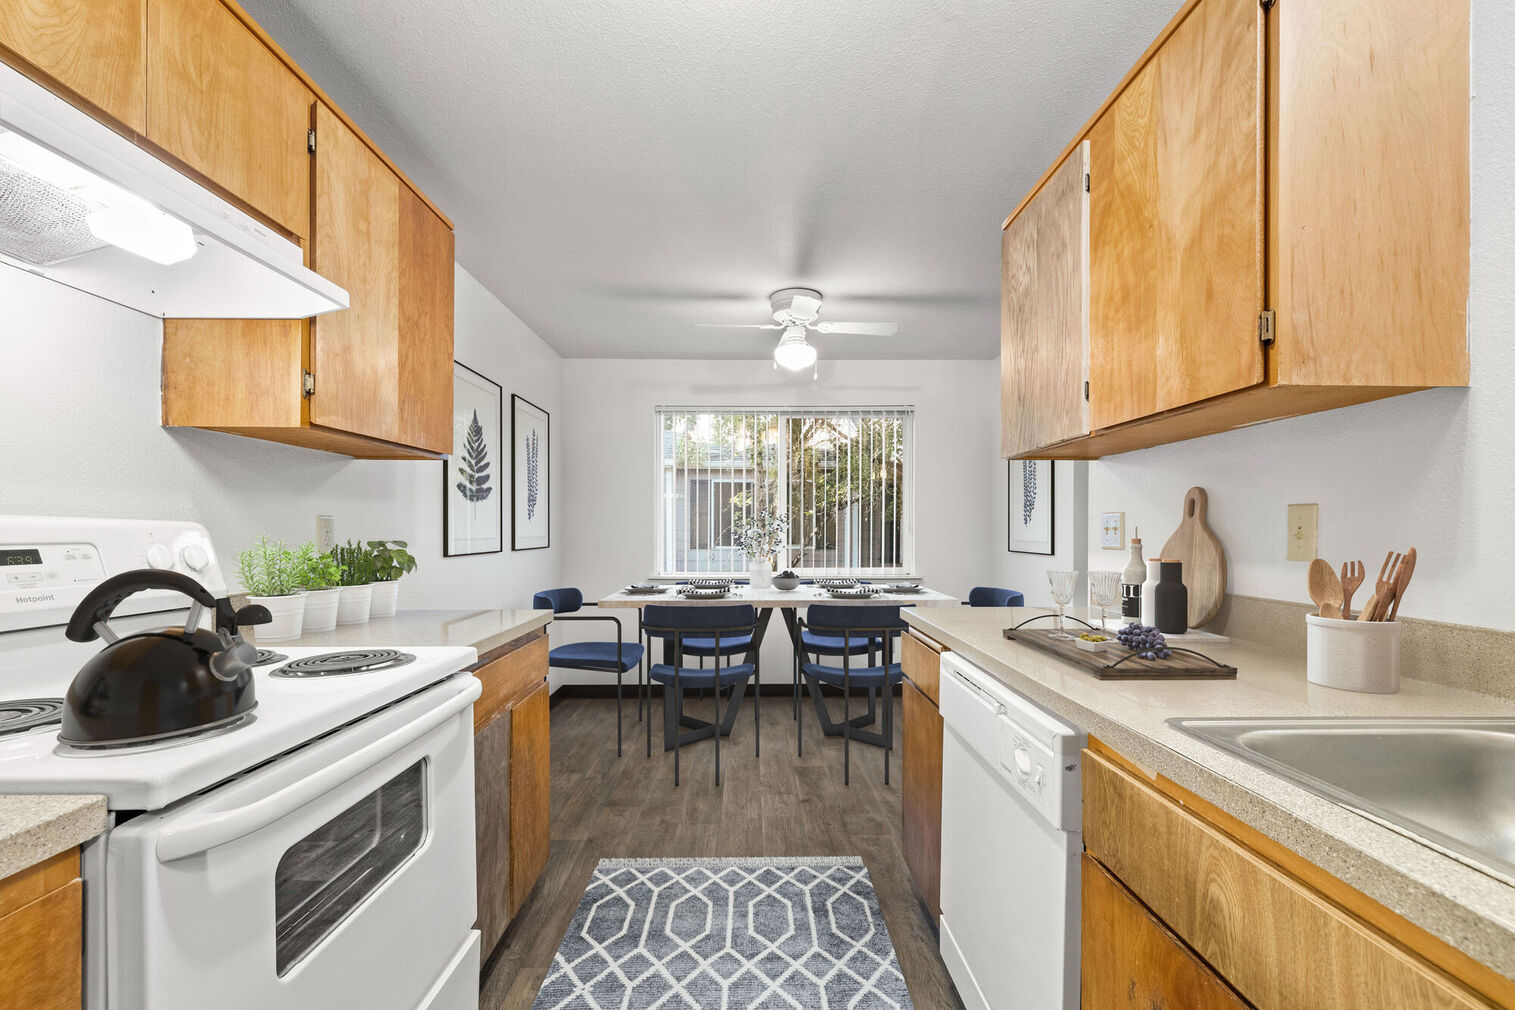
41,966
508,679
922,662
1278,942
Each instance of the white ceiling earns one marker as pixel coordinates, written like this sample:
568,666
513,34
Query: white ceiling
619,170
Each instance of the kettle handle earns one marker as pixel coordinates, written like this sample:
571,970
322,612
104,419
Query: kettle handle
103,600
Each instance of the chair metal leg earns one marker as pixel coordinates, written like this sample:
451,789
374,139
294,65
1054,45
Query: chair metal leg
757,704
846,721
679,701
888,724
717,734
618,677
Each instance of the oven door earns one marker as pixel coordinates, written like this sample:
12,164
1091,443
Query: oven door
340,875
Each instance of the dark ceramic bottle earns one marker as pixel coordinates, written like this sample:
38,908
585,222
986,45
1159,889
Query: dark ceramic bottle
1171,603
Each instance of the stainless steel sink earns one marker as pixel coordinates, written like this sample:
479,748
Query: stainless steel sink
1448,783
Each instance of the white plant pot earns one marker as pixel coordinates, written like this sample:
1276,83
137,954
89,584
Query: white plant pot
385,595
760,573
1352,655
321,609
288,618
353,604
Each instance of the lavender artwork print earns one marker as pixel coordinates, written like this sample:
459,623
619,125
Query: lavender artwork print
531,476
1029,515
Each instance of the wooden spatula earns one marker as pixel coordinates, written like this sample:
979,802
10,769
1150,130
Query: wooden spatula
1325,588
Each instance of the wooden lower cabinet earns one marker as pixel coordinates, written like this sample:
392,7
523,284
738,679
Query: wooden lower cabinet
1277,930
1131,961
42,936
530,790
921,769
491,774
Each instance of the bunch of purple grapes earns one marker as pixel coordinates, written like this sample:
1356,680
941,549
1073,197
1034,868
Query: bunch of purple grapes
1145,641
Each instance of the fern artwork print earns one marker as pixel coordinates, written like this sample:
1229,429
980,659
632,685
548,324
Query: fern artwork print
473,512
530,519
1030,507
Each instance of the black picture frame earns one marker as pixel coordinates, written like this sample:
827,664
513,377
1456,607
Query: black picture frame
516,535
1010,504
448,475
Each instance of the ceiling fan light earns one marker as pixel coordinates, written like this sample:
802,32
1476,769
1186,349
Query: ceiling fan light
794,353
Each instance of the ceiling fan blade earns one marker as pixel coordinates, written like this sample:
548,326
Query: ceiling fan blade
862,329
740,326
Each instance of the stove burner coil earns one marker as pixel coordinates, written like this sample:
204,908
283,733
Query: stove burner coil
29,713
267,656
337,664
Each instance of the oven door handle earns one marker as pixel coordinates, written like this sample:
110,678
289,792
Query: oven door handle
194,837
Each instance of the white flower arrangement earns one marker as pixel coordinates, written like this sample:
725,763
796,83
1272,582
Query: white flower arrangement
762,536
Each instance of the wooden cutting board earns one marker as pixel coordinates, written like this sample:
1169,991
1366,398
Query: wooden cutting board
1194,544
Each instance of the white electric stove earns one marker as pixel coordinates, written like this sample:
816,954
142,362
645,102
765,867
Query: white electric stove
317,853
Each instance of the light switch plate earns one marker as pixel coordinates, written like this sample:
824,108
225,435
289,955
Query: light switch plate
1112,531
1304,521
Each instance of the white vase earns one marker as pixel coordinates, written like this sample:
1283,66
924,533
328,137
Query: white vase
321,609
760,573
385,595
353,604
288,618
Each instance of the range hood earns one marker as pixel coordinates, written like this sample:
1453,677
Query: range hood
86,207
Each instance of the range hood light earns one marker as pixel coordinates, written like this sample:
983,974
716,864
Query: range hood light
122,219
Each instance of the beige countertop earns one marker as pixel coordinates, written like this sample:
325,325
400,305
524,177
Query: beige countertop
32,828
1469,909
485,630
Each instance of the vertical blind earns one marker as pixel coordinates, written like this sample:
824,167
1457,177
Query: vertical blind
841,477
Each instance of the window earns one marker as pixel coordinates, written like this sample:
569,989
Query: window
841,476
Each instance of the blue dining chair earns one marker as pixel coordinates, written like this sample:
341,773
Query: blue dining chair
616,657
989,596
680,624
851,623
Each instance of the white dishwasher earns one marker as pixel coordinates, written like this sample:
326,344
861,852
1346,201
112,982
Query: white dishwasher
1012,819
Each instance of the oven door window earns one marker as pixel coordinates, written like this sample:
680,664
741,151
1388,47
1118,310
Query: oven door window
328,874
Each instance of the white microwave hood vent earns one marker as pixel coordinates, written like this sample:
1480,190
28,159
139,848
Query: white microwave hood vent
85,206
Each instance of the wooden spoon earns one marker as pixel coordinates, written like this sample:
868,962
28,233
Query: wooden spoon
1402,581
1325,588
1351,577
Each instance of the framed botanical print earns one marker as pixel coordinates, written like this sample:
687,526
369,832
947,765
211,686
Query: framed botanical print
472,502
1031,505
530,476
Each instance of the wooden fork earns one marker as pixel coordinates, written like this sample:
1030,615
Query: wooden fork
1352,575
1384,588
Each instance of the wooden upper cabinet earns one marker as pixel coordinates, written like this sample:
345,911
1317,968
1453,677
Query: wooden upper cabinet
355,354
426,319
1371,170
1044,313
1176,221
92,47
223,103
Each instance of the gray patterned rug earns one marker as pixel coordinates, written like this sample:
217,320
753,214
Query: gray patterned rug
726,934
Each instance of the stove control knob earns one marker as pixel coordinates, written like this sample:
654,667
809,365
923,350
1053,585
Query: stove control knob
194,557
159,556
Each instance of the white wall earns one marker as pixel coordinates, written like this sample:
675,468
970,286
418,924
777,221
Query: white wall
611,472
1434,470
1027,573
80,416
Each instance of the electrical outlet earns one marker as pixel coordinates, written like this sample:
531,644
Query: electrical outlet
326,533
1303,523
1112,531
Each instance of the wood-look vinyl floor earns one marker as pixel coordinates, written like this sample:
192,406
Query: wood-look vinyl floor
779,804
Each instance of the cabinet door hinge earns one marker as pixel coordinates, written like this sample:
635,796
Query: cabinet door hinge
1086,182
308,383
1086,390
1265,331
310,141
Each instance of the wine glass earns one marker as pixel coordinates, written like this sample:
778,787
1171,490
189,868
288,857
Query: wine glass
1105,588
1063,584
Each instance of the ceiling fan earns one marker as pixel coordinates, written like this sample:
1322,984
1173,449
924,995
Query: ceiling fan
795,311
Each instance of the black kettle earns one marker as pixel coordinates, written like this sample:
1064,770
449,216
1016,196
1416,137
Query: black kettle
161,684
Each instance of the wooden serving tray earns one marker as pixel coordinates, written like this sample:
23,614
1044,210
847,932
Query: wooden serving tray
1184,664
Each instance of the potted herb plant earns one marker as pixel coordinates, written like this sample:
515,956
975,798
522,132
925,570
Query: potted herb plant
355,575
270,576
321,579
761,538
391,562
